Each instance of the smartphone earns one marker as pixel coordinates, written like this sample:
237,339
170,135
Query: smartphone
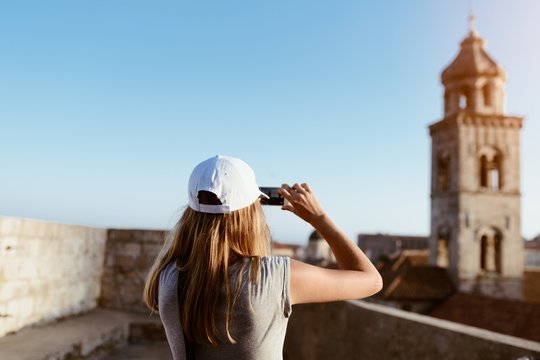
272,192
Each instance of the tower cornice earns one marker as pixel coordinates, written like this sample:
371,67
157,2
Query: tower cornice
469,118
483,192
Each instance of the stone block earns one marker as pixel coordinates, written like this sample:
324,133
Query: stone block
7,291
11,268
151,250
125,263
114,235
25,305
21,289
10,226
3,310
130,249
153,236
144,262
13,308
28,270
35,228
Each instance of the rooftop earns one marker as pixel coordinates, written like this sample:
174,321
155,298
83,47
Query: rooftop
409,277
472,60
102,274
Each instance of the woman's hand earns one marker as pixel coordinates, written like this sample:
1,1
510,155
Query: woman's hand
302,202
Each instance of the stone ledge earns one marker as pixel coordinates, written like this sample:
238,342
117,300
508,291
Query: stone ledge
142,352
88,336
361,330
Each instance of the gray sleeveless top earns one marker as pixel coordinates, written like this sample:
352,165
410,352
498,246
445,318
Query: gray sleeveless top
259,333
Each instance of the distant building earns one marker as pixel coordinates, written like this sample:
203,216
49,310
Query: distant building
381,247
411,284
318,251
475,177
532,253
291,250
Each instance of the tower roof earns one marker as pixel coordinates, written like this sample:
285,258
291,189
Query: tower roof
315,236
472,61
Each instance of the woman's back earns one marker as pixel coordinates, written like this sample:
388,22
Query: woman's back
259,317
225,221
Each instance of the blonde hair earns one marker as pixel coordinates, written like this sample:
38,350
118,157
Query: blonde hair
201,245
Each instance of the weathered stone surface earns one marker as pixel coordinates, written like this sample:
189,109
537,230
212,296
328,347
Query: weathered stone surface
130,253
89,336
475,177
359,330
142,352
47,270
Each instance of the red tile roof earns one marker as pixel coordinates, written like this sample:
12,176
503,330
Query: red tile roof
420,283
531,285
277,245
410,258
408,277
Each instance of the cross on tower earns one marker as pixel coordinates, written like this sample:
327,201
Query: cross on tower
472,22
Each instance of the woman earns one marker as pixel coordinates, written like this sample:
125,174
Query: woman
218,291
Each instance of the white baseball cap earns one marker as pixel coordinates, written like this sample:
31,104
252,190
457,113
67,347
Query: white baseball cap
229,178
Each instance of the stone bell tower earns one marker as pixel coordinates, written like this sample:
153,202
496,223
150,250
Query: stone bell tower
475,173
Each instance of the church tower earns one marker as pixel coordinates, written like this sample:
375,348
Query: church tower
475,173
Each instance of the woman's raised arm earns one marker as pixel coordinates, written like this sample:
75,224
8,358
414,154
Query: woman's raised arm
357,277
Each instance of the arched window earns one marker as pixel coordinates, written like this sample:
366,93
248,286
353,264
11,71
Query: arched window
483,252
491,172
486,92
443,253
491,252
464,98
495,173
498,252
483,171
443,173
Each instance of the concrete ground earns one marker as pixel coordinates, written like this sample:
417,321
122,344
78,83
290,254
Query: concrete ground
97,334
141,352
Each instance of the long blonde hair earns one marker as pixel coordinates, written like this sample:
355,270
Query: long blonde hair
201,245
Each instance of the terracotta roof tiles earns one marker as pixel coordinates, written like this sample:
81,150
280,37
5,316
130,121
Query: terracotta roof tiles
472,60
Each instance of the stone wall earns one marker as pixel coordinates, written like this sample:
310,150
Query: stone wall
496,287
532,258
129,255
47,271
50,270
359,330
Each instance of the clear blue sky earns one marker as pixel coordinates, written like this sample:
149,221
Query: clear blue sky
106,106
